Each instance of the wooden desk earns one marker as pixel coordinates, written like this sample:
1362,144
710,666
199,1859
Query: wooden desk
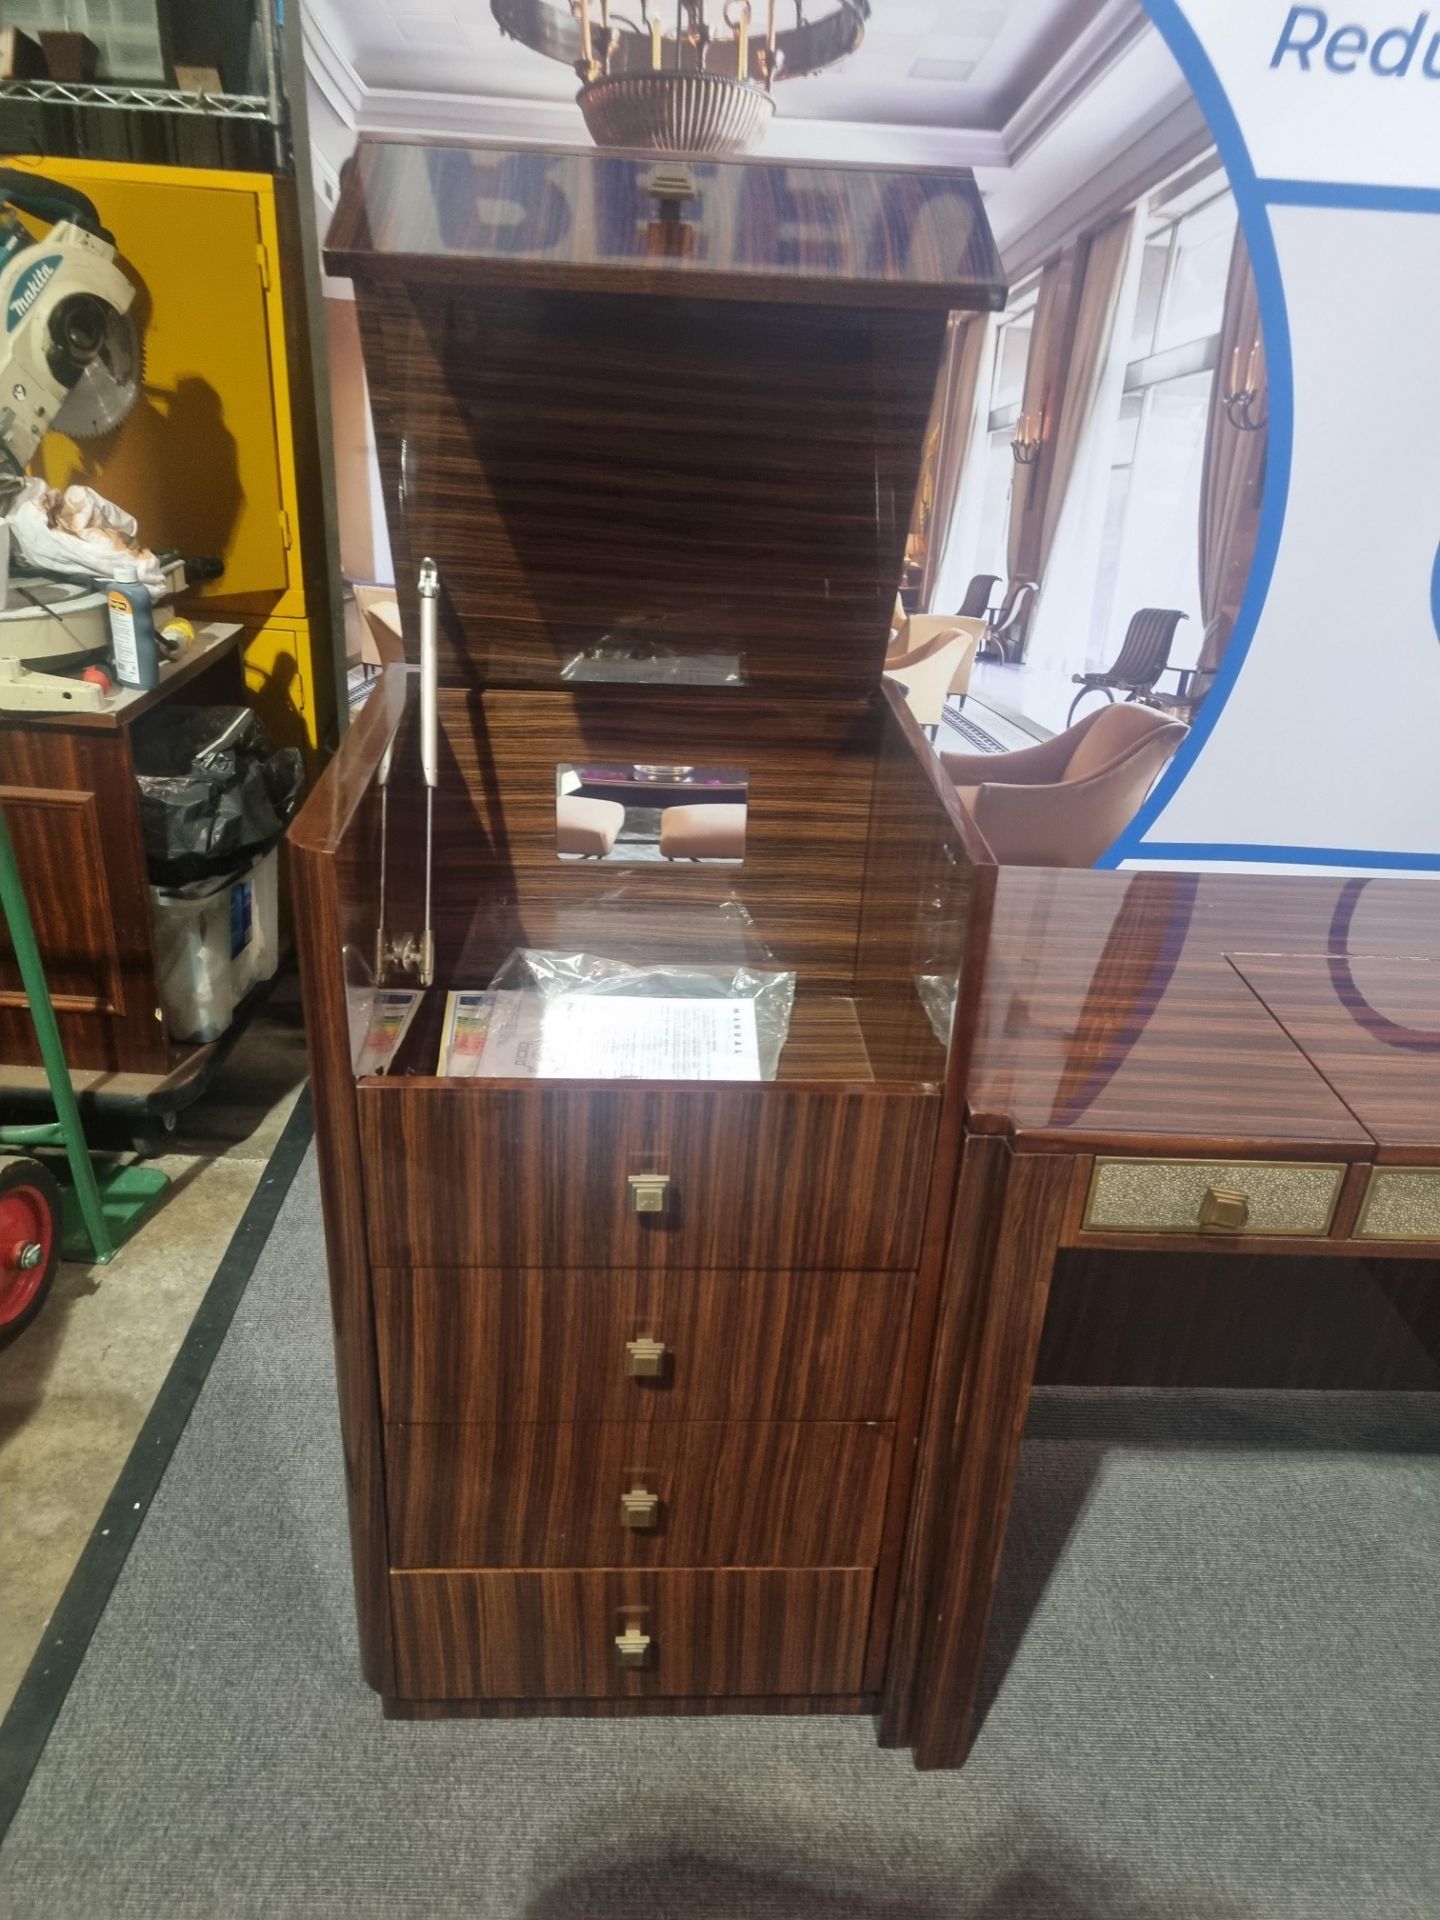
1144,1039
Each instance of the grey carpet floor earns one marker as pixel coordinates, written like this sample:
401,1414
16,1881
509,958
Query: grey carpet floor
1215,1694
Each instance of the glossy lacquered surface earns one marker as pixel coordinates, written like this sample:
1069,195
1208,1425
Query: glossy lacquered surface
539,1175
1125,1007
553,1344
584,220
667,495
620,483
1371,1025
749,1493
735,488
547,1635
1283,1032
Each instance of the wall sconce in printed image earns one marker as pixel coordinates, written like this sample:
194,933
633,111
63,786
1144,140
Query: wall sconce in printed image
1028,438
1242,403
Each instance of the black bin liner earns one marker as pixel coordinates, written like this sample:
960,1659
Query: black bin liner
215,790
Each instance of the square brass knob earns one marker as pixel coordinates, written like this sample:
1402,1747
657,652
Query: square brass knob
632,1647
1223,1210
645,1358
640,1509
649,1192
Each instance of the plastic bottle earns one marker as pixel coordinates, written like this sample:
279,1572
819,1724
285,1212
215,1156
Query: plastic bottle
132,634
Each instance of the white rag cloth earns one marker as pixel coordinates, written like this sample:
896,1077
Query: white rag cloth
79,532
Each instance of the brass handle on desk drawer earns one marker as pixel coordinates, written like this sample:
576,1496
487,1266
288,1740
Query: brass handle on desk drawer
645,1358
640,1509
632,1647
1223,1210
649,1192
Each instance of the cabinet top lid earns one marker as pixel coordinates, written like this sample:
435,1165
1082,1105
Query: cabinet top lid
749,229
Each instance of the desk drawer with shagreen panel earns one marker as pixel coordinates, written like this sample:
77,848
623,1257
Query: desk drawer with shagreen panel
1401,1203
1283,1198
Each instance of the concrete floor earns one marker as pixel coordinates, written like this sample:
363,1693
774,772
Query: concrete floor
76,1387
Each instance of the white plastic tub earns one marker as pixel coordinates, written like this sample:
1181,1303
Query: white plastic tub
214,940
192,957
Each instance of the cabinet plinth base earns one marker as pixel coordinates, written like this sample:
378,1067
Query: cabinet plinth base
795,1703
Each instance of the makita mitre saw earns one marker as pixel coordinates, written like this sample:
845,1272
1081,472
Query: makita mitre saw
69,357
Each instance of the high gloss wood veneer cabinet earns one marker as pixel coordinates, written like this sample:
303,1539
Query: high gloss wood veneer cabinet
602,1461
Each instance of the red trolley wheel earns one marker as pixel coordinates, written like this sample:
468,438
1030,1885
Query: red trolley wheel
29,1243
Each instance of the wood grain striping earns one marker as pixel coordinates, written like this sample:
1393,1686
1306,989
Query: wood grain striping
970,1501
657,1707
637,484
551,1635
551,1345
536,1175
732,1494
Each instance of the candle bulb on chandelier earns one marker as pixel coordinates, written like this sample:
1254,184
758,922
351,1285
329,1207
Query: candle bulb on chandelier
1252,370
1235,369
586,49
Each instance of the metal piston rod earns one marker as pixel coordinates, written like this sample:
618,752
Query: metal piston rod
429,745
404,951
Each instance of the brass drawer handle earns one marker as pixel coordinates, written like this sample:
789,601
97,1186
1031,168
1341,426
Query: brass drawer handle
1223,1210
645,1358
632,1647
649,1192
640,1510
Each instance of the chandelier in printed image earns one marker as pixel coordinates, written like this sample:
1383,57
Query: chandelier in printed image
688,76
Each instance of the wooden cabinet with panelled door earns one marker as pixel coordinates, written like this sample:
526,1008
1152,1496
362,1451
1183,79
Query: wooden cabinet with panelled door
631,1371
68,788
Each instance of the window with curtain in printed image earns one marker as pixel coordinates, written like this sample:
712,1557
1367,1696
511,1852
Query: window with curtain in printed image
1007,393
1150,553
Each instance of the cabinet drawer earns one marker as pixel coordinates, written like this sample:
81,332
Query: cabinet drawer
465,1345
538,1176
704,1494
1212,1196
552,1636
1401,1203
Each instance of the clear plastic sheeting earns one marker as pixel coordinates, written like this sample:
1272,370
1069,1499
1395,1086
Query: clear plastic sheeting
566,990
938,994
650,665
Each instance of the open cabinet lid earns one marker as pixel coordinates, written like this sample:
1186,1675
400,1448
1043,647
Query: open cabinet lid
655,419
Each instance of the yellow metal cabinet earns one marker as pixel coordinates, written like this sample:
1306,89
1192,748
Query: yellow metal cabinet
283,674
206,461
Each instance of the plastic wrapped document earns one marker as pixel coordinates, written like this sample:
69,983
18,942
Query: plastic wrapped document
388,1014
521,1035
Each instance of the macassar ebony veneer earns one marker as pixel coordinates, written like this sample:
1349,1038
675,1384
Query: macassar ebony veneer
1203,1150
601,1460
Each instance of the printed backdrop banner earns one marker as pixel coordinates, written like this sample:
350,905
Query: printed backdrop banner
1319,745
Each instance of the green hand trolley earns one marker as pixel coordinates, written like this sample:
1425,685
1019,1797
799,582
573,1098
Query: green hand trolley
41,1220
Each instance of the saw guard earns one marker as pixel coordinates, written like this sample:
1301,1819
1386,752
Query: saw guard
79,262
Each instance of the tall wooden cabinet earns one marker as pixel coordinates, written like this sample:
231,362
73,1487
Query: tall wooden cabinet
659,427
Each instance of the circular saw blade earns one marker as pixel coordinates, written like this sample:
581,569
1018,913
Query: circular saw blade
107,389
